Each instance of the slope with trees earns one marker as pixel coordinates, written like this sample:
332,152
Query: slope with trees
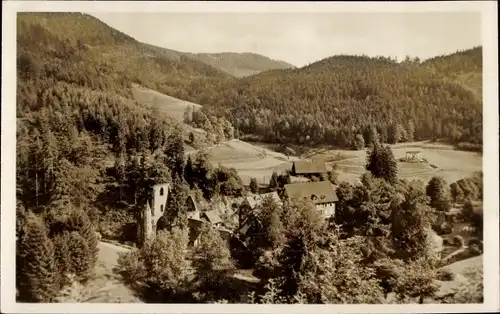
334,100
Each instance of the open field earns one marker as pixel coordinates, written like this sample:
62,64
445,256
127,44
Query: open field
172,106
451,164
464,271
249,160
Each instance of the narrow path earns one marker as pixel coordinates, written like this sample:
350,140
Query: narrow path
107,287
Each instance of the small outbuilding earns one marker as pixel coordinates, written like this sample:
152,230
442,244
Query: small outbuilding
414,155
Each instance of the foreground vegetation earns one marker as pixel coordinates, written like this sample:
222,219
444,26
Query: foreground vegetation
377,244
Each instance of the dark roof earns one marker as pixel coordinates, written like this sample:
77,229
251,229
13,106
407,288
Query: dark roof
306,167
212,216
319,192
191,199
414,151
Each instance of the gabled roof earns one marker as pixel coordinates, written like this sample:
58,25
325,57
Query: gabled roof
307,167
212,216
255,200
318,192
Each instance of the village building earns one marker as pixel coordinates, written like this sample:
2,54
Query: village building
309,169
321,193
414,155
153,219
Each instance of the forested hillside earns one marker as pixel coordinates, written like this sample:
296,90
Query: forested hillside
75,109
464,67
335,99
242,64
79,49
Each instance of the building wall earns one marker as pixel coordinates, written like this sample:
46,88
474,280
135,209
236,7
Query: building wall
327,209
158,206
147,225
160,201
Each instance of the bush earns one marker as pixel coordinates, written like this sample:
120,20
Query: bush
475,249
444,228
161,266
458,241
118,225
475,241
445,275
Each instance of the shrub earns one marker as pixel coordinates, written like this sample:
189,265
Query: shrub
444,228
458,241
161,265
475,249
475,241
445,275
117,225
254,185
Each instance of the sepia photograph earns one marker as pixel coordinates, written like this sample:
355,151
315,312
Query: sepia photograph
231,155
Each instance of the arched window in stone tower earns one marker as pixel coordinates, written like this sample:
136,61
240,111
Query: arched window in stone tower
161,191
161,208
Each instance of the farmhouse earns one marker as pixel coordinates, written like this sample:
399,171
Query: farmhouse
308,169
322,194
414,155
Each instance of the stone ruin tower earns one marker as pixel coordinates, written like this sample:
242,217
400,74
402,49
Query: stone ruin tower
153,213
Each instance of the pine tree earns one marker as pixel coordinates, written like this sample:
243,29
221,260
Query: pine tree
174,151
176,211
120,172
456,192
189,171
394,135
254,185
411,131
273,182
202,175
62,258
79,222
79,256
36,266
359,142
382,164
437,190
410,222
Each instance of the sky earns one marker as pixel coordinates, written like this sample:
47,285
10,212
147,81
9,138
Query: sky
303,38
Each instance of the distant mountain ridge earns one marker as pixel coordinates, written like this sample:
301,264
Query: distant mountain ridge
242,64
